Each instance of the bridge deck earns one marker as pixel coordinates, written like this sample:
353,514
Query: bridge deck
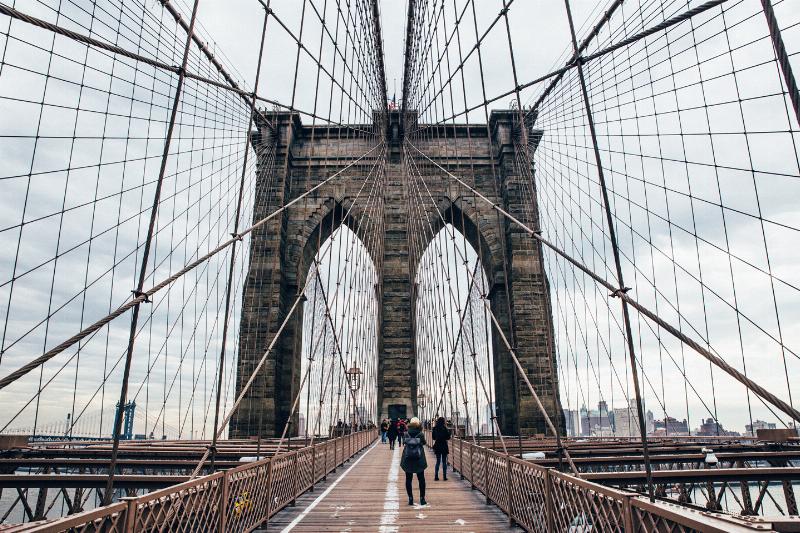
368,494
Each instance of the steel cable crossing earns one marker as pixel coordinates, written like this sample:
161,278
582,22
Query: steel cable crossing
590,186
137,160
201,120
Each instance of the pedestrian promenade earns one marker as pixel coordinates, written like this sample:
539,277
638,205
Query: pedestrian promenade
368,494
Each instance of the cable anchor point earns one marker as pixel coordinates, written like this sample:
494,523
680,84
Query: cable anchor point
139,294
619,292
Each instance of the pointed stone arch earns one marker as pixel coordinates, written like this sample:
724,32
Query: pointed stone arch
281,251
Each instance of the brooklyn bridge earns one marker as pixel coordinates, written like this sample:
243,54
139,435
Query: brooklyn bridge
548,247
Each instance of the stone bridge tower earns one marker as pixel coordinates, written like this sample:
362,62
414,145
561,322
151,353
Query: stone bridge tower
283,249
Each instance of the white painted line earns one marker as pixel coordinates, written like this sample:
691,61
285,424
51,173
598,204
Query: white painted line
327,491
391,501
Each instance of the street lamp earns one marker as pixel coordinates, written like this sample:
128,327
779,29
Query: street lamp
354,378
354,384
421,403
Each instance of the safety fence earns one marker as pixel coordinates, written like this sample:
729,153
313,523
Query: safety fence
545,500
236,500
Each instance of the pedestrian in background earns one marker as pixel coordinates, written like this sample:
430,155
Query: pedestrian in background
384,429
401,430
440,436
392,433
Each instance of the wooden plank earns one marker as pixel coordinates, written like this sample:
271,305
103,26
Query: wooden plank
368,497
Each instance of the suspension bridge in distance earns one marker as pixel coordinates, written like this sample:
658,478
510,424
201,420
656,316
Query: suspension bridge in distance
220,274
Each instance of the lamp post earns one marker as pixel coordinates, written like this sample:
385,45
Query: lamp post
354,384
421,404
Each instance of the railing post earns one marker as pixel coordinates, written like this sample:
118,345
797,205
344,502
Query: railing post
223,504
313,467
325,460
472,466
335,460
627,513
269,491
130,513
486,475
510,493
294,479
548,502
461,458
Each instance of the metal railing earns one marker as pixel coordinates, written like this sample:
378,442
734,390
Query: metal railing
545,500
236,500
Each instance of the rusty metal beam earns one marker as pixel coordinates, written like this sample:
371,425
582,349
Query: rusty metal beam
696,475
88,481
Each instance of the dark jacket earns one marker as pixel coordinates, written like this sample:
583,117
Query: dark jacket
410,465
440,437
392,432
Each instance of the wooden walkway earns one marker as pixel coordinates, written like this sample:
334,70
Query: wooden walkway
368,494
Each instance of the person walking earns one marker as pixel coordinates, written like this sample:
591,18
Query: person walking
401,431
440,436
392,433
384,429
413,460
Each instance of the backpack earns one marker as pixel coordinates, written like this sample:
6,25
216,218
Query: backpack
413,449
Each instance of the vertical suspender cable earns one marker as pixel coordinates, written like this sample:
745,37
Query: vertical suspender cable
108,496
228,285
617,262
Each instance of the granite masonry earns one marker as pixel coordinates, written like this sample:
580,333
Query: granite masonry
300,156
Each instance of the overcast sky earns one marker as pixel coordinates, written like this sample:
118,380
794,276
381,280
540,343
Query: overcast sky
539,31
674,149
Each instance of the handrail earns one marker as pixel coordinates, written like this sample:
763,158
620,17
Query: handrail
237,500
541,499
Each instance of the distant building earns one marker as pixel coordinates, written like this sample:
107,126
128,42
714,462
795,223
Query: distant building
670,427
572,422
712,428
752,430
598,423
486,417
301,425
602,431
626,421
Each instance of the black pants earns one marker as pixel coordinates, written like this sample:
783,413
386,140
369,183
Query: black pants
391,441
410,479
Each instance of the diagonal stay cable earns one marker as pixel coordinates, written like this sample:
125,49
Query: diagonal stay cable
145,295
615,292
505,340
254,373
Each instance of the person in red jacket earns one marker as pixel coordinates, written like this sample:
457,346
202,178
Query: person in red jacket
401,430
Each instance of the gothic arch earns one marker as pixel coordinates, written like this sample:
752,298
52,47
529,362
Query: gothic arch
323,222
462,215
283,248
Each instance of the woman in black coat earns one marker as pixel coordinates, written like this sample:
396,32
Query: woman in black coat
413,460
440,437
392,433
